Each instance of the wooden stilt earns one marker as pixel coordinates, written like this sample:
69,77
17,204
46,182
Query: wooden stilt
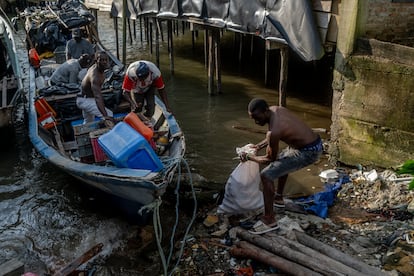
251,45
284,59
211,65
193,34
171,47
217,56
161,33
147,30
266,62
240,49
124,26
150,30
116,36
157,42
141,36
130,32
135,28
206,47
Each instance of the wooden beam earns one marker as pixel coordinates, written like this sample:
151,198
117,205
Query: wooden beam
246,250
337,255
71,267
12,268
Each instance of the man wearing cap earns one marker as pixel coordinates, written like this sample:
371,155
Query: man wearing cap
140,81
69,71
78,46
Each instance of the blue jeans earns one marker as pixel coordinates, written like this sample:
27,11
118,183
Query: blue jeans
290,160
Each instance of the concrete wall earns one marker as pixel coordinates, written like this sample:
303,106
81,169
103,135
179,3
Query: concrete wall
373,87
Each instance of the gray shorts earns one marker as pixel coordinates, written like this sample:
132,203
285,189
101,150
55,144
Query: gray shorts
290,160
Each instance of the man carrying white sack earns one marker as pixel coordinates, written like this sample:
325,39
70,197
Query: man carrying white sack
304,148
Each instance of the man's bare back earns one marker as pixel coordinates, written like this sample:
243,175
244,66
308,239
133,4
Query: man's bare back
285,126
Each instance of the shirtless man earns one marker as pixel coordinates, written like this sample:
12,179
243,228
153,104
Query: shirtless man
90,100
304,148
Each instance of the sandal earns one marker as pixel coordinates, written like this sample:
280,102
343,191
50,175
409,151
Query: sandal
278,201
260,228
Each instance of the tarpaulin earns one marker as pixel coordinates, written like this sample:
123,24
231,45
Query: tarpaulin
319,203
284,21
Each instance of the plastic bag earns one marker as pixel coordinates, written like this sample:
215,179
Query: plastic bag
242,193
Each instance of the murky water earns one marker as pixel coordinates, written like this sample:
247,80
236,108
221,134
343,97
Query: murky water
47,220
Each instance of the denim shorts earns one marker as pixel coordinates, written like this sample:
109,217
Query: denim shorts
291,159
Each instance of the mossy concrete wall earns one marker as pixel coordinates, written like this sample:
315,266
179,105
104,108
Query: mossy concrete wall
373,100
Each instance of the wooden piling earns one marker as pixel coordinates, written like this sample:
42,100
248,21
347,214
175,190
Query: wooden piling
170,46
116,36
284,59
211,62
217,55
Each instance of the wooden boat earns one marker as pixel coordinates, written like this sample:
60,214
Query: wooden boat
94,153
10,75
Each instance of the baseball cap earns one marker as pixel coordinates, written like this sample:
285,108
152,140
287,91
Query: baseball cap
142,70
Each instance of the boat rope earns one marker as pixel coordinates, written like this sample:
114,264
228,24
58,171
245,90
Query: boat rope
157,222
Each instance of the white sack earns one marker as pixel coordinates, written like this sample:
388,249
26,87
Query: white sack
242,192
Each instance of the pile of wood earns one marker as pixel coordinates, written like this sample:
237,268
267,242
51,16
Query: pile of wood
302,255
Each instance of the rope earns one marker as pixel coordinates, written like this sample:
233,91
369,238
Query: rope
155,206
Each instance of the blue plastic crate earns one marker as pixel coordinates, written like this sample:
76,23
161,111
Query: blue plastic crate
127,148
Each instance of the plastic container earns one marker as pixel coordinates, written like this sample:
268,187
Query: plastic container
127,148
98,153
34,58
43,107
135,122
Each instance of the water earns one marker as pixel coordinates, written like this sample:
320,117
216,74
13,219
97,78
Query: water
47,219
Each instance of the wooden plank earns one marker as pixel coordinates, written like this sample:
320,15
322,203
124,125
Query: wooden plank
12,268
71,267
4,93
322,5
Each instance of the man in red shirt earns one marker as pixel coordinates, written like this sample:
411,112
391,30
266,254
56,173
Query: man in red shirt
141,79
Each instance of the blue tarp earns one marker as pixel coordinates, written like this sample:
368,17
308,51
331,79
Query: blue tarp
320,202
